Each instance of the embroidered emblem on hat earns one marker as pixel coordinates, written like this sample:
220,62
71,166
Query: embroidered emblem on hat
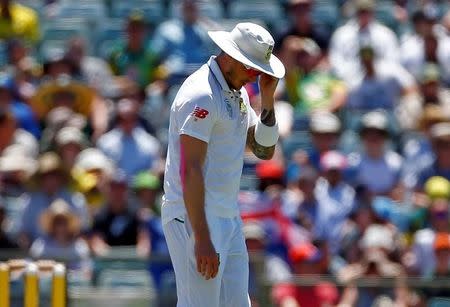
269,53
242,106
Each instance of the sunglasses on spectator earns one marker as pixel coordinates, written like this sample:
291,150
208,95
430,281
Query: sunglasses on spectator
251,71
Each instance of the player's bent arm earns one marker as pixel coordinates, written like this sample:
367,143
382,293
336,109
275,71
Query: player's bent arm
267,121
193,153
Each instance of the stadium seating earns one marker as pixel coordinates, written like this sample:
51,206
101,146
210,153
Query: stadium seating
211,9
58,31
268,11
326,13
93,11
154,11
108,32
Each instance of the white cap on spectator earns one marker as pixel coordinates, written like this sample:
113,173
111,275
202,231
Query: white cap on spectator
378,236
15,158
28,143
324,122
93,158
375,120
70,135
440,131
333,160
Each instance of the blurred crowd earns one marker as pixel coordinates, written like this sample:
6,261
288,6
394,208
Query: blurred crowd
359,185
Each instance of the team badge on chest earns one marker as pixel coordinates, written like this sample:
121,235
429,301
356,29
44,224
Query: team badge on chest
242,106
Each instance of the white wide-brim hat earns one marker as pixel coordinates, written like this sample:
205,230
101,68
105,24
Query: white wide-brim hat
251,45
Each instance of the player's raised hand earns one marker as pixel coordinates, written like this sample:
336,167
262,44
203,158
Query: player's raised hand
207,258
267,85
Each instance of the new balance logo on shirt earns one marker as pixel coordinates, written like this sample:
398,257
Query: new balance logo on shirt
200,113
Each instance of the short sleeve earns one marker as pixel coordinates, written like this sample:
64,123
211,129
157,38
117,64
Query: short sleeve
197,117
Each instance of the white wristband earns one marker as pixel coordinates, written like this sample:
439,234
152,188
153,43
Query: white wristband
265,135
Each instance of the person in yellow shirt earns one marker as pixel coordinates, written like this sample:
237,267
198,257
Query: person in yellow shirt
18,21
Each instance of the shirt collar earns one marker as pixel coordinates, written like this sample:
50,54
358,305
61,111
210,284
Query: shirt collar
212,63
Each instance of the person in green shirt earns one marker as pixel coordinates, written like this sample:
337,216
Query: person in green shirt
132,57
310,87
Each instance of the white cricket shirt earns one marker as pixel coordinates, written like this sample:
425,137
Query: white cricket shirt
207,109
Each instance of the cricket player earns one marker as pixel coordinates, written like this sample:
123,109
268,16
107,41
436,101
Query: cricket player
211,122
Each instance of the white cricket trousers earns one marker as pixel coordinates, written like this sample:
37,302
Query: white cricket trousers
230,287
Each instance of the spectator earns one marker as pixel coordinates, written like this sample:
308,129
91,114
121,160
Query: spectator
357,32
422,260
26,74
446,24
311,260
322,294
95,71
418,150
5,241
116,224
20,110
404,211
308,86
325,129
24,68
336,199
52,186
304,212
66,92
275,269
425,46
146,187
363,217
16,168
148,115
183,43
303,26
55,64
383,84
377,245
10,134
19,21
439,165
61,242
89,176
432,90
376,168
70,141
129,139
63,92
433,94
57,119
442,254
263,205
16,51
133,58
